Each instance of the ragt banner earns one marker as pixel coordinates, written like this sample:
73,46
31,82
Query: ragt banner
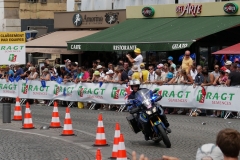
179,96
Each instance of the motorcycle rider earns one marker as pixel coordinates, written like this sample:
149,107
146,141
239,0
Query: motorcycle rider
135,86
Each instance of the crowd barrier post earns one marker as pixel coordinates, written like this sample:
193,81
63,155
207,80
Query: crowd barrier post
122,107
92,106
51,102
192,111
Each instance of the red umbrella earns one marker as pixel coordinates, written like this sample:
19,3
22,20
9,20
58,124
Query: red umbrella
235,49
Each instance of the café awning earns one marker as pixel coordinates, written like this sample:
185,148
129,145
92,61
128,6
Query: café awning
156,34
55,43
235,49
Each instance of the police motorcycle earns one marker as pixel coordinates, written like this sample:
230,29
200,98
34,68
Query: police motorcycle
145,107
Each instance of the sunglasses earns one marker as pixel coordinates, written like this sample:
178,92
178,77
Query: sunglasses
216,68
187,55
150,68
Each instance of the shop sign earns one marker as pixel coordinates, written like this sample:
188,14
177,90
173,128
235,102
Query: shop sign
124,47
12,37
76,46
230,8
189,9
77,19
95,19
111,17
179,46
148,12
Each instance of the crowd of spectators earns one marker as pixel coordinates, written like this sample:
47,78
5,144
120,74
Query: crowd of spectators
187,73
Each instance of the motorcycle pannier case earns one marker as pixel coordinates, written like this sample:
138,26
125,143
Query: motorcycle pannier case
133,123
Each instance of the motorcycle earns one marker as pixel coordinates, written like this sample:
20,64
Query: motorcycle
145,107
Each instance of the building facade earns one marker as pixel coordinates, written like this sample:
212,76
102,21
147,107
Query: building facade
164,30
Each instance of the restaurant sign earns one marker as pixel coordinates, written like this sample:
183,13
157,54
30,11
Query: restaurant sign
148,12
189,9
124,47
230,8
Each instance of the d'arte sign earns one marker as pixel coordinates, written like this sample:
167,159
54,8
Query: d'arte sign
230,8
148,12
189,9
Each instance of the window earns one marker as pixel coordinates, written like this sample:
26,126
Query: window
31,1
203,59
43,1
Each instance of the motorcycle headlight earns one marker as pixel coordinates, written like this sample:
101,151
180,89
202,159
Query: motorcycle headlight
154,109
149,112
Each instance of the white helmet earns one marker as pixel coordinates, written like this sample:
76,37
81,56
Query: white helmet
134,82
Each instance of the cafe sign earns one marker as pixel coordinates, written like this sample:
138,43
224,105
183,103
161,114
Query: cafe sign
230,8
194,10
148,12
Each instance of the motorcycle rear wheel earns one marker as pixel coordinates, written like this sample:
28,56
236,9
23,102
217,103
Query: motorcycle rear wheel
165,138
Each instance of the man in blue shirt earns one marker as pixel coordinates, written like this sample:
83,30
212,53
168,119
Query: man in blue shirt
9,73
19,71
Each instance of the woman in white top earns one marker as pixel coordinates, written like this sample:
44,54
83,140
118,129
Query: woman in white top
33,75
117,75
45,75
182,78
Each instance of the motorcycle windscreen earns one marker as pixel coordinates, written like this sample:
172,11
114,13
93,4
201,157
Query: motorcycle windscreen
144,96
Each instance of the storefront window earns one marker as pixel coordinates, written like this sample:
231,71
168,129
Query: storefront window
203,56
214,58
154,58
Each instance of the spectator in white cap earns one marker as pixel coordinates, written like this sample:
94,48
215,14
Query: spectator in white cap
109,76
100,69
228,64
209,152
139,58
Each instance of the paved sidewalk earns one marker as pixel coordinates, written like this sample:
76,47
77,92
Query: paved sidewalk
187,135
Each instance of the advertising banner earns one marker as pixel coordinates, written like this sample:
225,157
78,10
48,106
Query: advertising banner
179,96
12,48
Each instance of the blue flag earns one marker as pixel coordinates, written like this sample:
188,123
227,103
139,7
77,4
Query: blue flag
222,60
11,79
181,58
17,78
193,56
26,80
59,80
100,84
43,82
64,91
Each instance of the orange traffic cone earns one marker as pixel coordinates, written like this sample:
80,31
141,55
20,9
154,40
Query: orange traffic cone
98,155
116,141
17,116
100,136
55,117
28,124
67,128
122,153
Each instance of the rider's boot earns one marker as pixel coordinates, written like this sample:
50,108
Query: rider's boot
146,137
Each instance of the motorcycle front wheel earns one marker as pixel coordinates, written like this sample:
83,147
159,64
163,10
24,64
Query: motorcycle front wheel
165,138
